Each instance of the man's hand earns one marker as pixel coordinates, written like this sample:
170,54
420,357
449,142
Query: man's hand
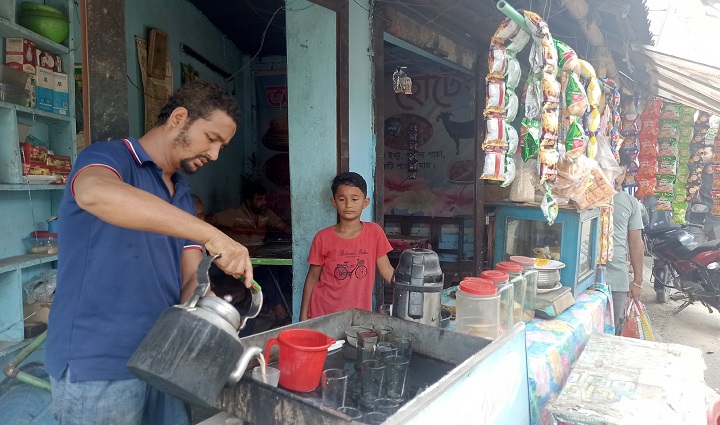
635,291
234,258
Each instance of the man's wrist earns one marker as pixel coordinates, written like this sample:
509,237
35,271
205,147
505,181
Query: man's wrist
639,285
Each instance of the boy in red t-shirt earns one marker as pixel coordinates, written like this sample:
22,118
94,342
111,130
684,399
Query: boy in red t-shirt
343,257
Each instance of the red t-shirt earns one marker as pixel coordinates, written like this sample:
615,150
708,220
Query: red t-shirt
348,269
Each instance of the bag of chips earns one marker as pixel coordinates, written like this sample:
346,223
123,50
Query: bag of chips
668,129
497,59
529,138
574,137
667,147
512,73
648,147
679,209
687,116
646,185
494,168
652,110
511,106
533,98
576,100
567,58
664,201
665,183
670,111
495,95
507,30
667,164
586,69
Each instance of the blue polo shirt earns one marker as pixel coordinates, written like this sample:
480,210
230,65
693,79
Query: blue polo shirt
112,283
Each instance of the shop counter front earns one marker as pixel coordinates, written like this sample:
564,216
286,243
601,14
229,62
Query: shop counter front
553,345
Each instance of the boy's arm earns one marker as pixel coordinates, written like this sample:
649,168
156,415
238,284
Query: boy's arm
311,280
385,268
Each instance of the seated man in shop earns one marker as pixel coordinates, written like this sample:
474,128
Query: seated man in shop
250,223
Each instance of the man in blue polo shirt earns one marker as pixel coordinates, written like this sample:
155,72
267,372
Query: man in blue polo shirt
129,248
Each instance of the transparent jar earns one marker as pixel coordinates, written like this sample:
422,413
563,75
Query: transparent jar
519,284
505,289
477,309
531,278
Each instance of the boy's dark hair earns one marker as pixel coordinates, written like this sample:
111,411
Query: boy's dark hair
349,179
251,189
625,159
200,98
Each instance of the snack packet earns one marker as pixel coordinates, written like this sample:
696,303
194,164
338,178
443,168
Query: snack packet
664,201
497,58
566,57
494,168
646,185
679,209
576,100
512,73
667,147
529,138
574,137
667,164
665,183
549,206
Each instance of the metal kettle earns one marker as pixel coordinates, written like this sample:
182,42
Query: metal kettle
193,350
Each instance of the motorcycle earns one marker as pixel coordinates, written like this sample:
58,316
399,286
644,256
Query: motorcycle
679,263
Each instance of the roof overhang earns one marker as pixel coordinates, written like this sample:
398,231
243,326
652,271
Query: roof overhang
682,80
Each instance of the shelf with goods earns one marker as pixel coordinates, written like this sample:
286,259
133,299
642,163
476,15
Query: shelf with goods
25,207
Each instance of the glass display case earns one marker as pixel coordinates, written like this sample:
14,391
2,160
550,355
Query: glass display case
572,239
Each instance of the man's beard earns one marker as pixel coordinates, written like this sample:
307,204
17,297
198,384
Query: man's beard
258,210
182,141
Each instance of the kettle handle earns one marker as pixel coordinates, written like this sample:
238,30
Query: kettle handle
271,342
203,279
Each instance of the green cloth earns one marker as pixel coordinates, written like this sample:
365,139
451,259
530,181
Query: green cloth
626,217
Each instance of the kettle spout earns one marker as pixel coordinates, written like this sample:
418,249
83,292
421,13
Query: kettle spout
242,364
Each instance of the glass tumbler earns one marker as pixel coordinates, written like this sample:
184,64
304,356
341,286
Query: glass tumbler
404,342
385,349
352,412
387,406
372,373
384,332
366,342
395,376
375,418
334,385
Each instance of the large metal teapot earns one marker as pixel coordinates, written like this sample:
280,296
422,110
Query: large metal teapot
193,350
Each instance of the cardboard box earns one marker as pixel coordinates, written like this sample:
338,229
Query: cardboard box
40,310
628,381
60,96
20,53
44,89
49,61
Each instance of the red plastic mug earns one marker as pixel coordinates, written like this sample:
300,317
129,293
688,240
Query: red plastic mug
302,357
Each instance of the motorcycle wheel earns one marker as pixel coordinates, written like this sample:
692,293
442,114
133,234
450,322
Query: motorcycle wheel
662,292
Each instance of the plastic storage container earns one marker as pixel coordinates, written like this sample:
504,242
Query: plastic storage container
14,94
478,308
531,276
41,245
519,284
505,289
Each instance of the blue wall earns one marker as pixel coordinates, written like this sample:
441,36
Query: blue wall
312,110
362,132
217,183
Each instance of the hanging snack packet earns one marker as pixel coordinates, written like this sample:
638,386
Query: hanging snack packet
680,193
668,128
551,92
533,98
586,69
567,58
679,209
646,185
575,136
667,165
529,138
512,73
550,121
495,96
670,111
497,59
652,110
518,42
511,105
665,183
507,30
549,206
667,147
494,131
687,116
648,147
685,133
594,92
716,203
494,168
509,171
683,153
512,138
682,176
576,100
630,180
664,201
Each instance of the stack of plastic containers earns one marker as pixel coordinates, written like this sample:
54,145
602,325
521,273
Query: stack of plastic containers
531,276
478,308
505,289
519,284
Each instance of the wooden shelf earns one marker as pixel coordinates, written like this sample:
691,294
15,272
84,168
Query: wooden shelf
36,114
10,29
24,261
26,186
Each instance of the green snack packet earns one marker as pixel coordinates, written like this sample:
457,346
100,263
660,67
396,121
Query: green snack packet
567,58
549,206
574,138
665,183
667,146
679,209
686,132
687,116
529,138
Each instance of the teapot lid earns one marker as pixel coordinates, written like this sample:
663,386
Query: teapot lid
222,308
418,260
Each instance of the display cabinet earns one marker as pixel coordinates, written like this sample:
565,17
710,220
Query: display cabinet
25,207
573,239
